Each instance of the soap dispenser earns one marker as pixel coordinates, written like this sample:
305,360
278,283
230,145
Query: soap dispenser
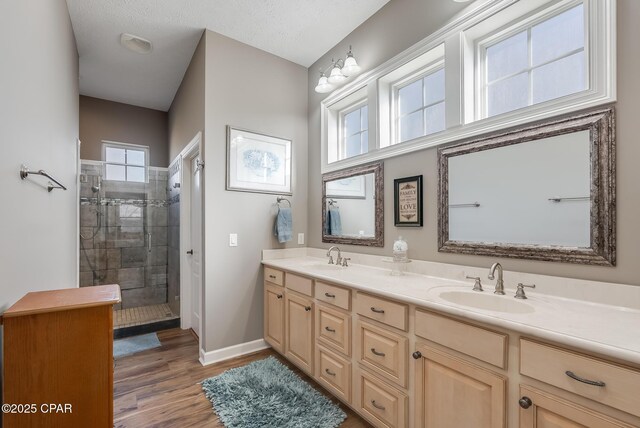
400,249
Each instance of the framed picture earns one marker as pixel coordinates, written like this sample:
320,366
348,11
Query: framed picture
258,163
407,201
347,188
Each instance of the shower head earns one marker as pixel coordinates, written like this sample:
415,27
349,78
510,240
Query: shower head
95,189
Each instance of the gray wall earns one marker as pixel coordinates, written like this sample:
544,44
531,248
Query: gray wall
107,120
186,115
251,89
38,126
378,39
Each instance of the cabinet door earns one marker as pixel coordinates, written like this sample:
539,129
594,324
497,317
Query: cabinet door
274,316
452,393
539,409
299,327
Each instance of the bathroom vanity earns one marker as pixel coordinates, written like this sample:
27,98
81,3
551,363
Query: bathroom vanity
422,349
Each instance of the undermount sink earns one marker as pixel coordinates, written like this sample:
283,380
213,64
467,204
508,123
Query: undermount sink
487,302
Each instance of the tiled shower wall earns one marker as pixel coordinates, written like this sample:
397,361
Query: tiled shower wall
173,266
126,235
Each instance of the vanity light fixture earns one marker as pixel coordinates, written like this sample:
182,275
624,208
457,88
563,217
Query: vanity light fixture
340,71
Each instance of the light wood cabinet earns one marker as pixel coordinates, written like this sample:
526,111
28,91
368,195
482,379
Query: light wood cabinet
451,392
334,373
383,405
274,316
333,328
299,331
543,410
58,348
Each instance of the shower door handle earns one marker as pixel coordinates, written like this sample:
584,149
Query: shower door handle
149,242
190,252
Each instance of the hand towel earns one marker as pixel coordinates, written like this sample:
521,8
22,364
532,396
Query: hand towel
283,227
335,222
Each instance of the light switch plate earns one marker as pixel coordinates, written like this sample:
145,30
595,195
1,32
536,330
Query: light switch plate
300,238
233,239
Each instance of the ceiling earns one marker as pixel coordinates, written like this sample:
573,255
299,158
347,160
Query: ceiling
300,31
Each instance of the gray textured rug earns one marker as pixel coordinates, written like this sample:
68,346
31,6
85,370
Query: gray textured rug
266,393
131,345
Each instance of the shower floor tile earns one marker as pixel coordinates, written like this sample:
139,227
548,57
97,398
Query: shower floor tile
142,315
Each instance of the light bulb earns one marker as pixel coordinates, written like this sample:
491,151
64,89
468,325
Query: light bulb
336,75
323,85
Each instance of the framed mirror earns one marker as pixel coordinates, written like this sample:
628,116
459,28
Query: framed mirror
541,192
353,206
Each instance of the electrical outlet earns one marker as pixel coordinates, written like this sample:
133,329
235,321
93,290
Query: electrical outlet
233,239
300,238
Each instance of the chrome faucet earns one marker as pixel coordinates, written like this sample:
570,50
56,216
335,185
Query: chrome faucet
338,260
499,281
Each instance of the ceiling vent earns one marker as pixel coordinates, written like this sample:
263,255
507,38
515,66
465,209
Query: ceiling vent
135,44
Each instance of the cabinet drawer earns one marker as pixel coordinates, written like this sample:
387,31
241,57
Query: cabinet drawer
299,283
382,404
383,351
334,373
335,295
485,345
554,366
385,311
274,276
334,328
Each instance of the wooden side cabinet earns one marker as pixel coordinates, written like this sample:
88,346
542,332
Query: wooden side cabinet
58,356
539,409
451,392
299,328
274,316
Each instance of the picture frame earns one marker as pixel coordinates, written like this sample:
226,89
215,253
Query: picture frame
257,162
407,201
347,188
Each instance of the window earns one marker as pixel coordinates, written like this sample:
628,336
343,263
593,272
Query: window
355,131
125,162
537,63
420,106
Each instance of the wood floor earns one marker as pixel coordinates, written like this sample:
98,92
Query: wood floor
159,387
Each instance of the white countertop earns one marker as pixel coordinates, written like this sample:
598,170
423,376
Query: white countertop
605,329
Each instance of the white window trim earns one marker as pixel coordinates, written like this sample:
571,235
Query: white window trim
430,69
461,113
126,146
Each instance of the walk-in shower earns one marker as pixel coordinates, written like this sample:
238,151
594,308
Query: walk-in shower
124,239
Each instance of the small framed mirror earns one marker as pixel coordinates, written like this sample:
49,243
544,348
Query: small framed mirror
543,192
353,206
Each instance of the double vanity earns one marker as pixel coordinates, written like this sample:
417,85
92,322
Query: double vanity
426,350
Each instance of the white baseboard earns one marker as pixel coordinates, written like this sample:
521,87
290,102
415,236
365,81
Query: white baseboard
218,355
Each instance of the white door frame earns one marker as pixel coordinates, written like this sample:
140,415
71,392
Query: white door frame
194,147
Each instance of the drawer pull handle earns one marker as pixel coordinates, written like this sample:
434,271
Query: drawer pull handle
329,295
377,311
329,372
272,276
279,296
378,353
376,405
307,308
330,330
525,402
574,376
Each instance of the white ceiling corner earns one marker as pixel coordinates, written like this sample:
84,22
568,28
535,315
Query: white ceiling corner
300,31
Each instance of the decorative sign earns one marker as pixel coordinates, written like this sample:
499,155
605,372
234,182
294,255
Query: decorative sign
408,201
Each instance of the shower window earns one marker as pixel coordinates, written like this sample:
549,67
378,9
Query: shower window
125,162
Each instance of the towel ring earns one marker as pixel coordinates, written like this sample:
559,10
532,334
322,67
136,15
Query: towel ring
283,199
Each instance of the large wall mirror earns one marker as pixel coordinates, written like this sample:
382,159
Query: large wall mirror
353,206
543,192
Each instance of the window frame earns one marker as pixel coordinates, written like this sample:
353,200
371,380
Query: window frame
505,32
455,42
403,82
125,146
342,139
